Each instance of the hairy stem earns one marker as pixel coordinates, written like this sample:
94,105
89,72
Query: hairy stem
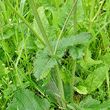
48,44
75,19
57,4
54,93
64,26
74,61
32,3
26,22
60,85
72,80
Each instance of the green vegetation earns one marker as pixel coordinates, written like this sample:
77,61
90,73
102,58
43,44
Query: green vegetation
54,54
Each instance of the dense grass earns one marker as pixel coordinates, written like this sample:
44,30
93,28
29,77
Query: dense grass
54,54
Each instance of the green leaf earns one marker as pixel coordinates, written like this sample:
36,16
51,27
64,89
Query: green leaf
80,11
95,79
48,28
89,63
76,51
55,19
47,3
9,90
91,104
22,6
53,84
26,100
103,106
65,75
43,75
106,59
46,80
67,92
81,89
64,11
7,34
2,69
82,38
30,44
43,63
50,93
2,55
105,39
73,106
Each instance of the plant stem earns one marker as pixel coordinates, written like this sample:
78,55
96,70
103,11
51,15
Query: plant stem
60,85
64,25
74,61
48,44
75,19
72,80
26,22
57,4
55,94
40,24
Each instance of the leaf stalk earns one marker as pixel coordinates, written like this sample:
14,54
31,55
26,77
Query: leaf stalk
72,80
74,61
64,26
57,4
49,46
37,18
60,85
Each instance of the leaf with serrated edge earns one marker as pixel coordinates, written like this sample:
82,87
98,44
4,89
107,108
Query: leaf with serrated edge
43,63
92,104
106,59
26,100
50,32
82,38
95,79
76,51
7,34
88,102
89,62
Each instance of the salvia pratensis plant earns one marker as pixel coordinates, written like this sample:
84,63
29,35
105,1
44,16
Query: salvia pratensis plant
47,66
